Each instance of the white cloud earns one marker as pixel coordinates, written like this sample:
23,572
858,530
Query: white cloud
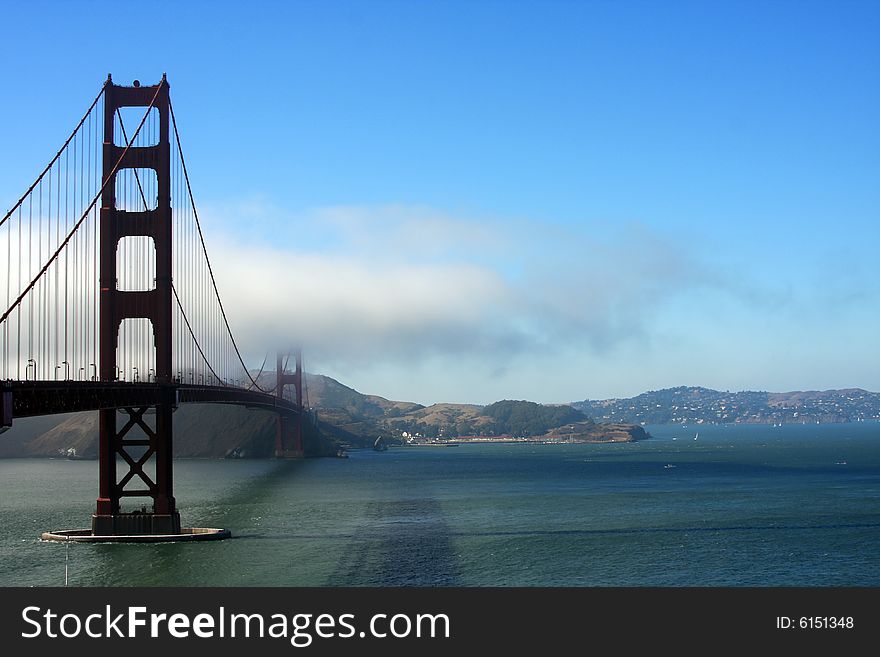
356,309
398,284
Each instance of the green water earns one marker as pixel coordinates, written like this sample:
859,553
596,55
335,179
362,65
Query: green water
796,505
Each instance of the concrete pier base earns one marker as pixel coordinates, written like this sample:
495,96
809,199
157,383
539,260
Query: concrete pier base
186,534
128,524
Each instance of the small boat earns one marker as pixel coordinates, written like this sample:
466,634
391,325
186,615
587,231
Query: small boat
668,466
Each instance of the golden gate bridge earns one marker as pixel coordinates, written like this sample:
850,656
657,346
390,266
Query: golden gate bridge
111,305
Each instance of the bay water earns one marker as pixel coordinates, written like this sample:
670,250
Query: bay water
737,505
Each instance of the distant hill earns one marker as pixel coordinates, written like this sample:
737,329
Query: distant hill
347,416
695,405
200,430
359,419
344,415
325,392
524,418
21,439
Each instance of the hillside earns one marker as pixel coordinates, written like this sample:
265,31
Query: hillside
21,438
524,418
349,417
358,420
695,405
200,430
344,415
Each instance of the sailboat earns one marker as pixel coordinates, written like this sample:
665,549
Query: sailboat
697,435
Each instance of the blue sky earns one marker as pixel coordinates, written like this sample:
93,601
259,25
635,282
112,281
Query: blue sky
470,201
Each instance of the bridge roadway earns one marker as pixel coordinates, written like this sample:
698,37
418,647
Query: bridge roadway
32,398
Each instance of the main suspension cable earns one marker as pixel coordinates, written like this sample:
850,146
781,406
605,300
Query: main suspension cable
58,154
88,210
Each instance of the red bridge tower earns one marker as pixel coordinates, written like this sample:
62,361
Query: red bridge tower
155,305
288,430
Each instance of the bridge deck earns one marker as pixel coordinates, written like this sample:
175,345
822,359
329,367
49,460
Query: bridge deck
32,398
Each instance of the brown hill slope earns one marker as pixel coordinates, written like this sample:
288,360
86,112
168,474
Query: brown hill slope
344,415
